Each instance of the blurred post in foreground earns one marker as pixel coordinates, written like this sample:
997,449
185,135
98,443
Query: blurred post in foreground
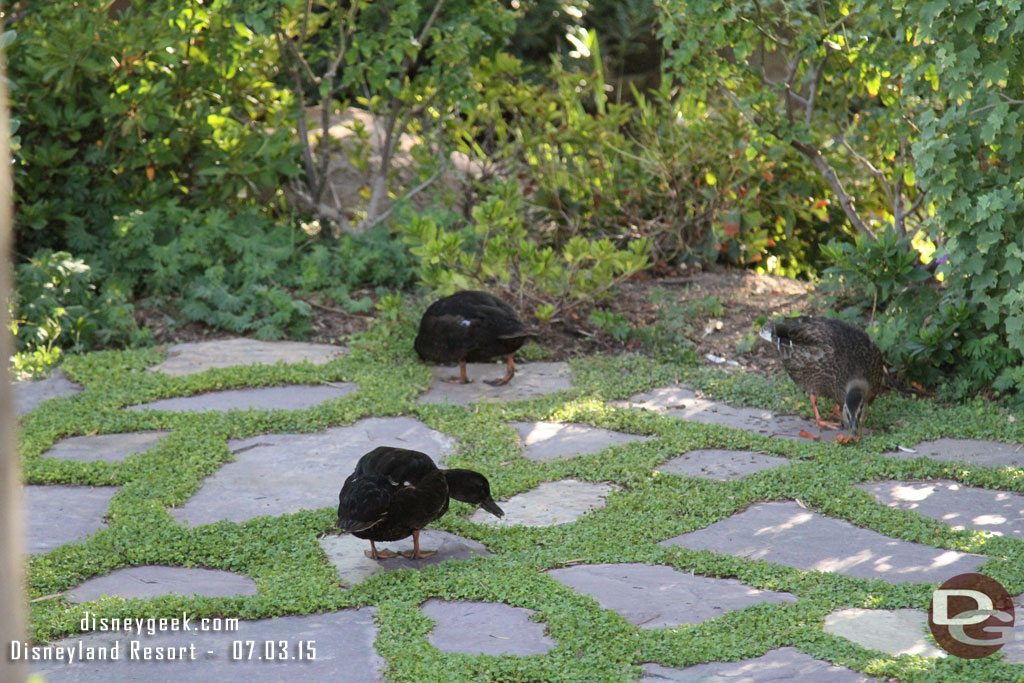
12,595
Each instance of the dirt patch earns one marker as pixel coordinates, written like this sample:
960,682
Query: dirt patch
744,296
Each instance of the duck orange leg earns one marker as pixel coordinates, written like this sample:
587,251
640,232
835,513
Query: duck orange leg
461,379
375,554
416,553
817,418
510,372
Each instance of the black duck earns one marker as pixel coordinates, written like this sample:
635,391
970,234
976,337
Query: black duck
471,326
395,492
831,358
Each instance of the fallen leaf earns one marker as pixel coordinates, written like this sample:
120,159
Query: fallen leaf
808,435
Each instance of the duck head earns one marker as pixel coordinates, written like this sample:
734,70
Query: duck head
855,407
473,488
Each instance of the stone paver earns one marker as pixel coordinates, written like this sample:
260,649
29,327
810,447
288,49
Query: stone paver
548,440
108,447
29,394
976,452
346,553
278,474
787,534
152,580
549,504
998,512
656,596
185,359
292,397
898,632
1014,652
485,628
774,666
336,646
681,401
721,465
55,515
531,380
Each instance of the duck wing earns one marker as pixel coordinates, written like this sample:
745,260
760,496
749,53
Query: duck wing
420,503
365,501
400,465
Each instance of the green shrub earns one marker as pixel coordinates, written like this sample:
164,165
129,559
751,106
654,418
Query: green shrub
664,167
58,305
167,99
873,275
226,269
497,250
970,158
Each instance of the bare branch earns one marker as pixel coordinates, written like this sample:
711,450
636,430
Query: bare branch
830,176
921,194
818,71
307,153
791,95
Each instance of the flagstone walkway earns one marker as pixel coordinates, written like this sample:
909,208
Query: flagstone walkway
277,474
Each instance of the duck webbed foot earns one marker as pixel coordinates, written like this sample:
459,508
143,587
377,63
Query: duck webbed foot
375,554
510,372
462,378
416,553
824,424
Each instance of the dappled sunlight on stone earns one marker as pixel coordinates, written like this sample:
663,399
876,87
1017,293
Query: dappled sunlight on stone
997,513
549,504
682,402
785,533
897,632
548,440
656,596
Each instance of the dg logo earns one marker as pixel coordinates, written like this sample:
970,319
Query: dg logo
971,616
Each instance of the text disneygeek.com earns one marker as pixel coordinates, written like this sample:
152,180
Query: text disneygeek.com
136,648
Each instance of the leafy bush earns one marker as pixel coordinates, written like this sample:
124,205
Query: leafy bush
117,110
970,158
59,305
664,167
873,275
408,63
497,249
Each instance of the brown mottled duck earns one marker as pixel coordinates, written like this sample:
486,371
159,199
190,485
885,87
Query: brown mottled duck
395,492
471,326
831,358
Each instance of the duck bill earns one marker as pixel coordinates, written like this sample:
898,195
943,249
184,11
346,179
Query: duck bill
492,507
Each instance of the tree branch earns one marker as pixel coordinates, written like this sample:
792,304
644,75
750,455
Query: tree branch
818,71
830,176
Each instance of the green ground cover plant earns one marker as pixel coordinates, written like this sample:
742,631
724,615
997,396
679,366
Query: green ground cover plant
282,556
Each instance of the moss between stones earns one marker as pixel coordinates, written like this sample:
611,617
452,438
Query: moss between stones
294,577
